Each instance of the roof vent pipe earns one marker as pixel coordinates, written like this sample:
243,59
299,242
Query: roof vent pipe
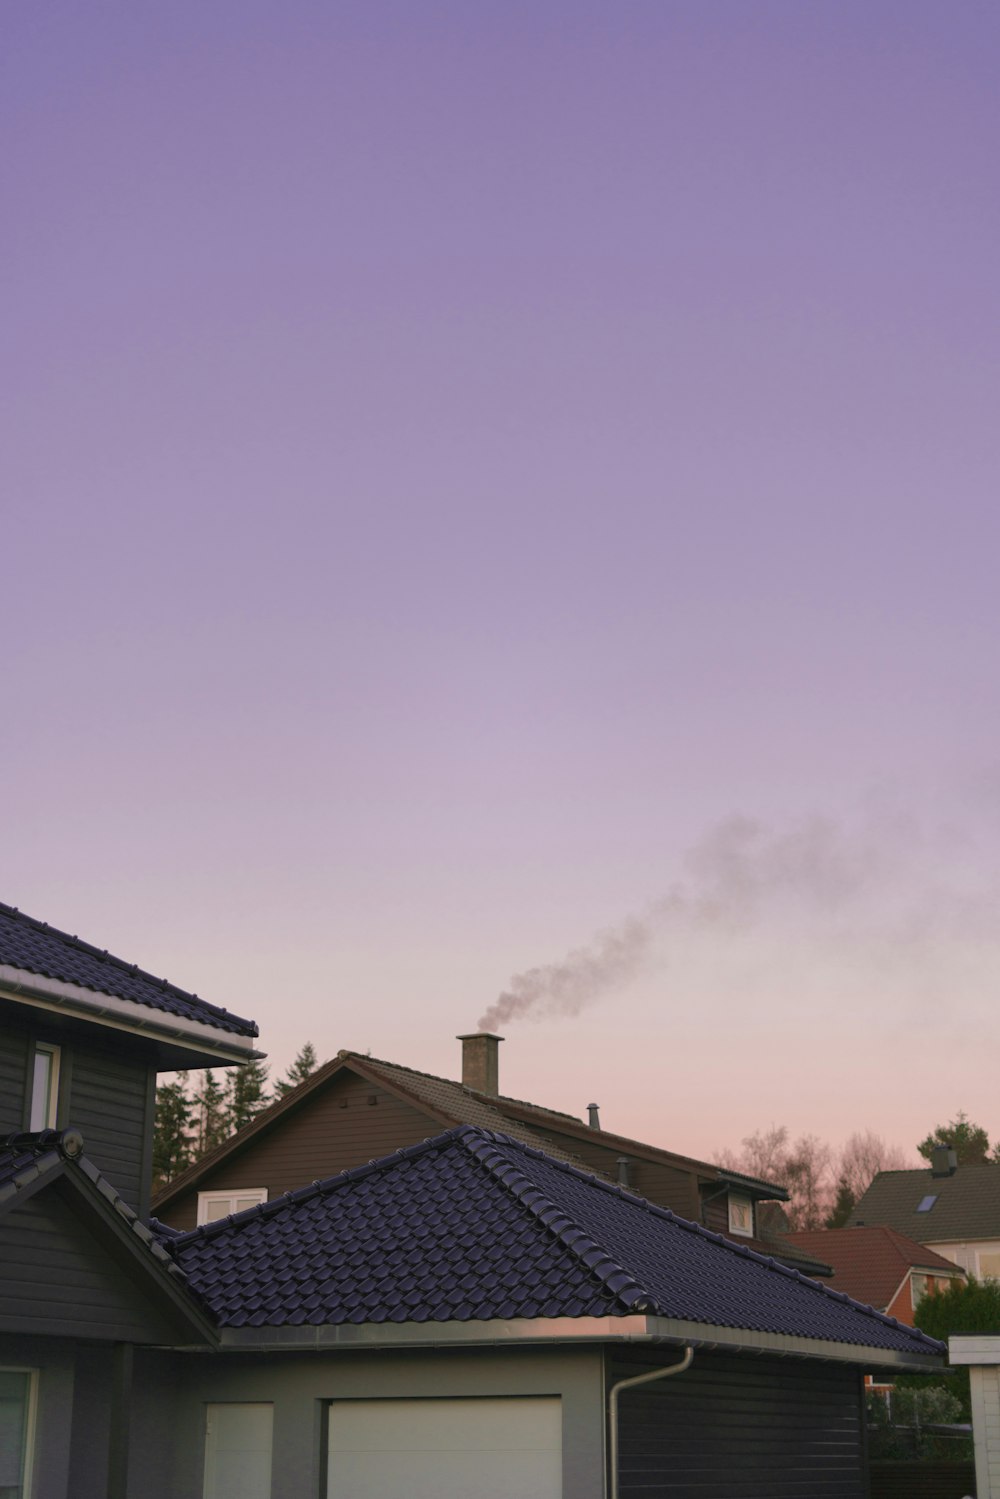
623,1180
595,1118
944,1161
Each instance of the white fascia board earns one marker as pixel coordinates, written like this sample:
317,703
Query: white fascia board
119,1014
974,1348
563,1330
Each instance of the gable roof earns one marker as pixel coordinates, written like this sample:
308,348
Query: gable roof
474,1226
34,947
870,1263
966,1204
447,1103
31,1163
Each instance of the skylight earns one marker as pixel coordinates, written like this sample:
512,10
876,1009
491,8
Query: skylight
926,1203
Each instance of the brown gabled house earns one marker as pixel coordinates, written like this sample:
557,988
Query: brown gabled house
357,1108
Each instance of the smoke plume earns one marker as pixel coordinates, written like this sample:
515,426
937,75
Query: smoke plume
836,894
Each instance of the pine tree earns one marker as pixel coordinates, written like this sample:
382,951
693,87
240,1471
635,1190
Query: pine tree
303,1066
211,1127
245,1094
171,1138
843,1206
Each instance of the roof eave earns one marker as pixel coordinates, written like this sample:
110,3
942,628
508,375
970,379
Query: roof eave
562,1331
207,1043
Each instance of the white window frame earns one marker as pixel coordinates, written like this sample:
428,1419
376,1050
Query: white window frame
259,1194
31,1419
40,1118
743,1201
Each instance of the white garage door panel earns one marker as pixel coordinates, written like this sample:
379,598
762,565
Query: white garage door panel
446,1449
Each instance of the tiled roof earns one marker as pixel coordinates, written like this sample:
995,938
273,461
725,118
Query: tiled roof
870,1263
473,1226
35,947
966,1206
24,1159
460,1105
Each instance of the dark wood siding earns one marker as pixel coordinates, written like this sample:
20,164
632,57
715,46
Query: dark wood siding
109,1103
59,1278
346,1123
741,1427
13,1077
669,1186
715,1210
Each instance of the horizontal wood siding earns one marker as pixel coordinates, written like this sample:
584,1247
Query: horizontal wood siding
669,1186
108,1102
13,1077
922,1480
346,1123
741,1427
59,1279
715,1210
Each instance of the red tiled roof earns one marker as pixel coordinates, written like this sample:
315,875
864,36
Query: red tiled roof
869,1263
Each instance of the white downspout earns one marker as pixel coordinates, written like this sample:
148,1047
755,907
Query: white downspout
625,1384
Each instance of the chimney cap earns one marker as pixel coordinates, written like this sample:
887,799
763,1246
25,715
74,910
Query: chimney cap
474,1035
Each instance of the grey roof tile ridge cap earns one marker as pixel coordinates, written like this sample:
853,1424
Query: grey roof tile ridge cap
700,1231
120,964
482,1144
321,1187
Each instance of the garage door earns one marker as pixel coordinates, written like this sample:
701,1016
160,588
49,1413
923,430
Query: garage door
446,1449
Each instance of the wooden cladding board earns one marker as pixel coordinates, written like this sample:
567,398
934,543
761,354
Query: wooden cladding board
59,1278
13,1077
346,1123
109,1103
741,1427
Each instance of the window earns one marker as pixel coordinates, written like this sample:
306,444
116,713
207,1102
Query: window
17,1419
44,1087
926,1203
238,1441
212,1205
989,1265
919,1286
740,1215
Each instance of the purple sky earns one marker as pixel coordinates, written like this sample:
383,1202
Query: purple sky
456,457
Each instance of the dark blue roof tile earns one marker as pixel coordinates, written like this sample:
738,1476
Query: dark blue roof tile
473,1226
35,947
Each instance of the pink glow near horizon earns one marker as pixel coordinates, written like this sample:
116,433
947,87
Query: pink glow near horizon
457,463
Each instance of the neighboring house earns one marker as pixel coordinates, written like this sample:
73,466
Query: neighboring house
356,1108
953,1209
879,1267
465,1318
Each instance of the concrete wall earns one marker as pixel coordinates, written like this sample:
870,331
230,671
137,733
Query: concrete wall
171,1392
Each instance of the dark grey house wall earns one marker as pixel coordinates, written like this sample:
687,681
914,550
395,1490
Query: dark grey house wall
13,1077
741,1427
110,1101
106,1089
58,1277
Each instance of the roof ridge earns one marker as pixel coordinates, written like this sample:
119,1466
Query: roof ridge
119,964
611,1275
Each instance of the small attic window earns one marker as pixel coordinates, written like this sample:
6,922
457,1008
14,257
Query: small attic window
926,1203
740,1215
